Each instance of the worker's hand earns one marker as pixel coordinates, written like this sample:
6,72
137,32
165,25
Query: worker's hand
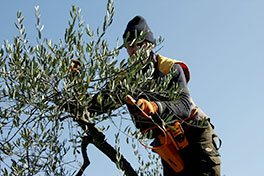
149,107
142,111
142,107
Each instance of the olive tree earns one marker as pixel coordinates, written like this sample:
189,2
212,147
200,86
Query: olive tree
44,102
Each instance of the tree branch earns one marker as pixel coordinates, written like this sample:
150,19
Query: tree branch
86,162
98,139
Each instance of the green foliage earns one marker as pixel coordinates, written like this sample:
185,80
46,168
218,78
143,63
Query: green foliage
36,132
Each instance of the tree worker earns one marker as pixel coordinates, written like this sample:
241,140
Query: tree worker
200,157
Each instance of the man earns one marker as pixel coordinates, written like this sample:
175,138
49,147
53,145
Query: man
174,103
200,156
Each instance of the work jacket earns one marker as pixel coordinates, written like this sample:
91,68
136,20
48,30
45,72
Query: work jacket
174,103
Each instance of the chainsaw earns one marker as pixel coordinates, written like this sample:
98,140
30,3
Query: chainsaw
170,141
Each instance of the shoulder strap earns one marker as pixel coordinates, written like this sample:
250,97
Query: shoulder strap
165,64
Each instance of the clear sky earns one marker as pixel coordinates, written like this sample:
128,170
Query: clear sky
222,41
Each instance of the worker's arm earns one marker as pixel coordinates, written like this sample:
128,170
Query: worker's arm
161,105
181,104
105,101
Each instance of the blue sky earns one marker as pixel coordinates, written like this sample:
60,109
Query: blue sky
221,41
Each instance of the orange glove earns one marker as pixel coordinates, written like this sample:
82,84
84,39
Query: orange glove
142,111
149,107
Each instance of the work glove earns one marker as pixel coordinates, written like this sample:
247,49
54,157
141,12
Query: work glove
149,107
143,112
141,107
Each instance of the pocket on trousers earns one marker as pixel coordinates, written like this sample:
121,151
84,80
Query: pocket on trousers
210,154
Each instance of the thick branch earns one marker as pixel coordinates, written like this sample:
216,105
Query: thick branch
98,139
85,141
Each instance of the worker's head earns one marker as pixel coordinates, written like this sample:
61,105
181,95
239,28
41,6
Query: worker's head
138,35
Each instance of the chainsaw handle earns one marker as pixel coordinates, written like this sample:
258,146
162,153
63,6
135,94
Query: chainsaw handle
130,100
